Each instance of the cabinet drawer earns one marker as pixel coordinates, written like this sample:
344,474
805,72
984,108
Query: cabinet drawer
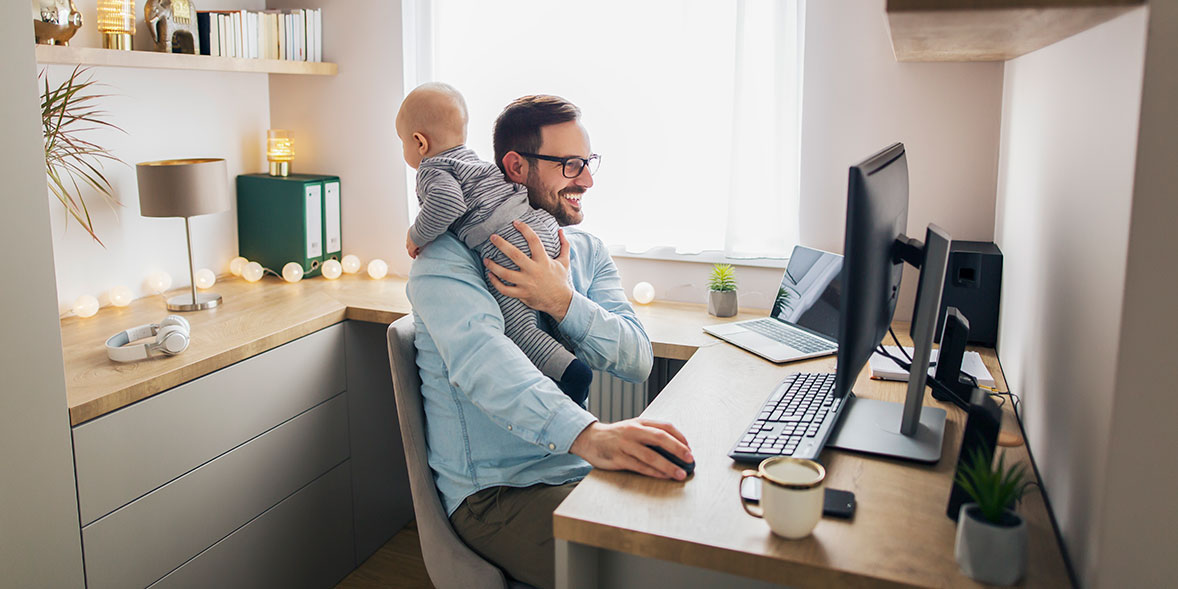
305,541
143,541
124,455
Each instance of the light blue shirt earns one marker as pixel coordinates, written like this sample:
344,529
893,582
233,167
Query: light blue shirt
492,419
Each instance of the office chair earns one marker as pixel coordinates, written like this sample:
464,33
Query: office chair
449,562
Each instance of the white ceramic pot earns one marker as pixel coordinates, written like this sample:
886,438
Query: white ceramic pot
722,303
990,553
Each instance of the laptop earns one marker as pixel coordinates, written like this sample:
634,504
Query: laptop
804,320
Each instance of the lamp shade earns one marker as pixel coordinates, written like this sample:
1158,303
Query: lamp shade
183,188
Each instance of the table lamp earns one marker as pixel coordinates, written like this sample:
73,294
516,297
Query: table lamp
116,22
279,151
184,188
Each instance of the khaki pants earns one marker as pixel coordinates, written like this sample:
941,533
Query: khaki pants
512,528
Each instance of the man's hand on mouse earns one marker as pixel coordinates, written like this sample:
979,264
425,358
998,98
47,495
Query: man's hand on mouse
622,446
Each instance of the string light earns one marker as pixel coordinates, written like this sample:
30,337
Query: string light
85,306
252,272
643,293
377,269
121,296
351,264
205,278
236,265
332,269
292,272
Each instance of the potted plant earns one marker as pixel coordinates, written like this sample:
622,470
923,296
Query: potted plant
73,164
722,291
991,538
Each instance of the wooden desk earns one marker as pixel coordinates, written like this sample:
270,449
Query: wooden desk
899,536
257,317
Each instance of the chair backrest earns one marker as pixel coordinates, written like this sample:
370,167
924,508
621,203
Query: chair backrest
449,562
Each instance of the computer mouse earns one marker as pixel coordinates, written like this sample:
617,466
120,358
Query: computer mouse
688,467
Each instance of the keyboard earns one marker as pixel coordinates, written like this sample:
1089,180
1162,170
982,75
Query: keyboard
794,421
795,338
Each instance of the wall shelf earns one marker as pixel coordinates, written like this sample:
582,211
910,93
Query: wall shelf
991,30
55,54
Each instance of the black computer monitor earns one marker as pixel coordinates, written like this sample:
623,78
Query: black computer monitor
875,250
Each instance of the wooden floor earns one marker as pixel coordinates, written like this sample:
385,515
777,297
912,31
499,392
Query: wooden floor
397,565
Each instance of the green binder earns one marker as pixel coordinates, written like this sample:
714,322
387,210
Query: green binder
295,218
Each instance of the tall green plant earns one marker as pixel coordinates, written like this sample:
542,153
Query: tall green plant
723,278
72,162
994,488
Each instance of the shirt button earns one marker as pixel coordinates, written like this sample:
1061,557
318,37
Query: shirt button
551,446
509,427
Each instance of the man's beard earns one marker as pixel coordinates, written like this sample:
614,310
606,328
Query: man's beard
541,197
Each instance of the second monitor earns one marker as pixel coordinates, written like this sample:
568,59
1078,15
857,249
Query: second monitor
875,251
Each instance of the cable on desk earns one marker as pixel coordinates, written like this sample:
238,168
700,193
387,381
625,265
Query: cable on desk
907,366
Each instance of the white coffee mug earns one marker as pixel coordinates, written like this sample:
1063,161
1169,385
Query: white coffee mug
791,495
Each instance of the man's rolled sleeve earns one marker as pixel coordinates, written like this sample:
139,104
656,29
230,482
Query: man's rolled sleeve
578,319
600,324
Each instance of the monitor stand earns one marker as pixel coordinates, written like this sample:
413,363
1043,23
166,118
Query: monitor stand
871,426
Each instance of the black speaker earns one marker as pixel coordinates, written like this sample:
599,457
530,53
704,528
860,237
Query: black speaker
981,431
973,284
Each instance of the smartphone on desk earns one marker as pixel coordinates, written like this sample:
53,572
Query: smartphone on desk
840,504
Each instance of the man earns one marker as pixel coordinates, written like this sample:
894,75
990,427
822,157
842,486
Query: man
506,445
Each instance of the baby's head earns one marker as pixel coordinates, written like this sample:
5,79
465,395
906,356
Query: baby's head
432,119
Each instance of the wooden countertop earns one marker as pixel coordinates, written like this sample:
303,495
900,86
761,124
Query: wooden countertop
257,317
899,536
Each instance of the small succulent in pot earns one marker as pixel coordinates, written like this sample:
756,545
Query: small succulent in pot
991,538
722,291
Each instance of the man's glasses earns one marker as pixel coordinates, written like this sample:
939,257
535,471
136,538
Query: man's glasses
571,167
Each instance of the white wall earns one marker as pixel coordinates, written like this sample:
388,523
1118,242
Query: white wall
166,114
343,124
40,538
859,99
856,100
1138,517
1065,191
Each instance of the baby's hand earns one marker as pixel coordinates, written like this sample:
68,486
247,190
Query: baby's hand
411,247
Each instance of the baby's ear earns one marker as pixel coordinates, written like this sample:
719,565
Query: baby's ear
422,143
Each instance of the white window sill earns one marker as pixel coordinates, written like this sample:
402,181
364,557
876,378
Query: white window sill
666,253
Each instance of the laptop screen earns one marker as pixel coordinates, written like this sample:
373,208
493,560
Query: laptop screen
810,291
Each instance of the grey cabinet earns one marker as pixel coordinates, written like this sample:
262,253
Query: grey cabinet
126,454
305,541
265,473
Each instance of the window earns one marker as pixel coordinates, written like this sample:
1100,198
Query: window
693,104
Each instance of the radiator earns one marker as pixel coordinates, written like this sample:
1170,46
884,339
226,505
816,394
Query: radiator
613,399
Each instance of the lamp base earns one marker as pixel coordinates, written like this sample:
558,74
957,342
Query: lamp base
280,168
121,41
204,300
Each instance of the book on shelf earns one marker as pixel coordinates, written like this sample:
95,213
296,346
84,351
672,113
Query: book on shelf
294,35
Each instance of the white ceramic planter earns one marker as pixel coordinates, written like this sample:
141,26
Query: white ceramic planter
722,303
988,553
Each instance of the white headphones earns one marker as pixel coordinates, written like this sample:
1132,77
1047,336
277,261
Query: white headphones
171,338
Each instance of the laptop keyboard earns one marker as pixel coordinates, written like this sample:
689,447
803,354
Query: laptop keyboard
795,338
794,421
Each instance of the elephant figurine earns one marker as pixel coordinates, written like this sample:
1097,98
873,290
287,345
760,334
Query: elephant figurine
173,25
55,21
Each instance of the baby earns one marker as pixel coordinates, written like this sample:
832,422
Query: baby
459,192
